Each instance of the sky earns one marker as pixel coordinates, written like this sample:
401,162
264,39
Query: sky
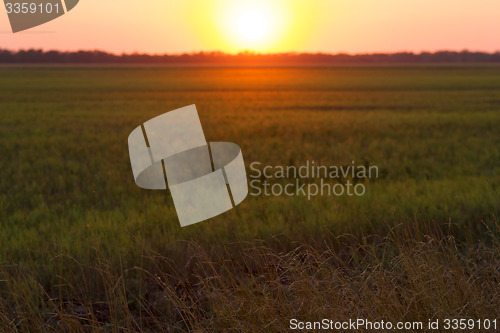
331,26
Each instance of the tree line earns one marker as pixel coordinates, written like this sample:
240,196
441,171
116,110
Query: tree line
245,58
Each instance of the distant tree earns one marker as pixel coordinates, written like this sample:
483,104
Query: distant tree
246,57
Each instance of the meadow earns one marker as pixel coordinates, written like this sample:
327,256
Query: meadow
82,248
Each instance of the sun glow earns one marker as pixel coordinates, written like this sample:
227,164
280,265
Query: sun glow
252,25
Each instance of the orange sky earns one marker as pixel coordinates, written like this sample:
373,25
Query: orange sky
174,26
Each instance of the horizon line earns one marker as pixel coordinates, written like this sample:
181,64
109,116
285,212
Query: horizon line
248,52
246,58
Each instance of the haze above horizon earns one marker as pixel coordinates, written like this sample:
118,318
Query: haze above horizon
273,26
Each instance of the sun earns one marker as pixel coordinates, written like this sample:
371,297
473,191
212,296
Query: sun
251,24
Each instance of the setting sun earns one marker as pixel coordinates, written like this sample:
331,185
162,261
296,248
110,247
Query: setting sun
252,25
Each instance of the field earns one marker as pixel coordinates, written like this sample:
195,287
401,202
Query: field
84,249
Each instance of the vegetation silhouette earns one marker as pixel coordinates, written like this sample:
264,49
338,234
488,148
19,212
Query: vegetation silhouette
246,58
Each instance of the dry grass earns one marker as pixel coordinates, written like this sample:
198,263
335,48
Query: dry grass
409,275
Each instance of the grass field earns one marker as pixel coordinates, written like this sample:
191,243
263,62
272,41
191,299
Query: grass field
83,248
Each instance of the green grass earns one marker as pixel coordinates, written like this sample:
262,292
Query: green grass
77,234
